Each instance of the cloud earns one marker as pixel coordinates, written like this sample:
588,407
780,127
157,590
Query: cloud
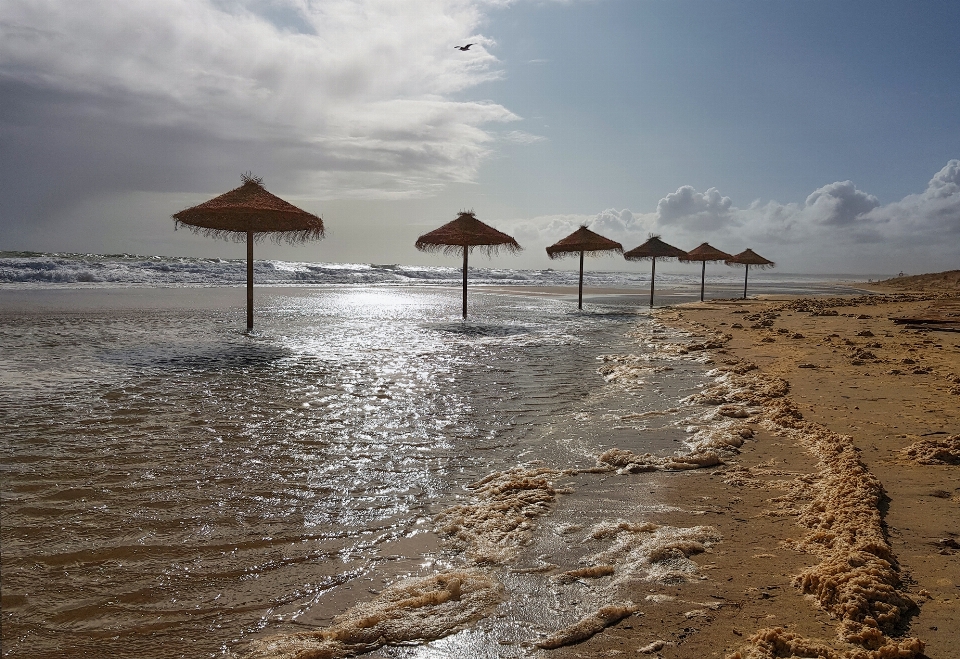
929,218
946,182
521,137
703,210
833,215
623,226
339,98
837,228
840,203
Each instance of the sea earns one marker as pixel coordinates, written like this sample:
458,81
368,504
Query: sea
175,486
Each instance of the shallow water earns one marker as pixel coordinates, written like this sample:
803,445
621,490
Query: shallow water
172,485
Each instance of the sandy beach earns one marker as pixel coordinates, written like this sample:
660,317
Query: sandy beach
840,517
752,478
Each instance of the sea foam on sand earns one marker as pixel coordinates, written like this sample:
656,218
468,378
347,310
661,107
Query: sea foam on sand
857,579
419,609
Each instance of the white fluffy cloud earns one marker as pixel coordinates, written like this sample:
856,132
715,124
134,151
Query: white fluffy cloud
931,217
704,210
838,228
840,203
355,96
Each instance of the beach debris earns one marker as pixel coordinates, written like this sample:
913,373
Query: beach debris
696,613
628,462
659,598
627,370
542,567
948,543
819,306
944,451
734,411
643,552
652,647
418,609
857,579
589,625
592,572
733,387
771,643
499,519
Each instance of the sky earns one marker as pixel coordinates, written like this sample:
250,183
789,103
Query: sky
825,135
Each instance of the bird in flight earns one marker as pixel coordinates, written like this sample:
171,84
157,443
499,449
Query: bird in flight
467,47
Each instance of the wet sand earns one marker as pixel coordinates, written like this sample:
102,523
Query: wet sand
840,522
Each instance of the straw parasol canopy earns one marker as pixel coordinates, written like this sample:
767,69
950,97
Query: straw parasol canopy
747,258
654,249
250,212
705,252
462,235
581,241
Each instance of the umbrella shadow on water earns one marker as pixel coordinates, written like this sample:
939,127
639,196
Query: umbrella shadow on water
207,359
478,329
617,315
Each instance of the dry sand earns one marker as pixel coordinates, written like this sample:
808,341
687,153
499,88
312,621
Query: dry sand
840,519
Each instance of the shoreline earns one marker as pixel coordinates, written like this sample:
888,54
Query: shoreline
784,370
793,516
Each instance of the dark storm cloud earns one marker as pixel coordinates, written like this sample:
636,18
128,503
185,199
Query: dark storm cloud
336,98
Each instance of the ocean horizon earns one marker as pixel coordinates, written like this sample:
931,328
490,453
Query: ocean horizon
41,269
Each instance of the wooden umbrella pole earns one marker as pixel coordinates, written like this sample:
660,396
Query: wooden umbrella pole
653,275
703,277
465,252
249,280
746,273
580,303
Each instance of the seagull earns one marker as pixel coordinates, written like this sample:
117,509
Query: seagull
467,47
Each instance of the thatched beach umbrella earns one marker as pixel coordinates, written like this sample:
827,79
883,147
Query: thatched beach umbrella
581,241
465,233
703,254
653,249
747,258
251,212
